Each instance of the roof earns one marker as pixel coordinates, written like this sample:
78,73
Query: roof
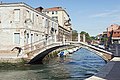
113,27
55,9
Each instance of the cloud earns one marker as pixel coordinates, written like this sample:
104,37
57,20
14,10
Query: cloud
108,13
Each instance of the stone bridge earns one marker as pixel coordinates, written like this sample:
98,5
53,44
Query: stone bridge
36,55
35,52
101,52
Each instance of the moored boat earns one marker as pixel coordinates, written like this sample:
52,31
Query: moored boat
63,53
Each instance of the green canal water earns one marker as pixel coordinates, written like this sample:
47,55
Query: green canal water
77,66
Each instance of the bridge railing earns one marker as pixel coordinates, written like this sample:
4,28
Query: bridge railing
36,45
90,46
34,53
40,45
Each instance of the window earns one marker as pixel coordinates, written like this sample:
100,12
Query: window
52,24
52,12
33,17
27,37
37,19
17,38
47,11
55,18
55,26
52,29
56,12
16,14
46,23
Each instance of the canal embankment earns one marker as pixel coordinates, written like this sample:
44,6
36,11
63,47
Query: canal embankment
109,72
10,57
12,60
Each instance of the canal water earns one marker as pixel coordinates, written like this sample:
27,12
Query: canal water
77,66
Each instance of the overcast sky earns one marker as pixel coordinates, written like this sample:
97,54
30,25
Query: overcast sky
92,16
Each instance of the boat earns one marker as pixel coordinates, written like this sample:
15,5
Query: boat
75,49
70,51
63,53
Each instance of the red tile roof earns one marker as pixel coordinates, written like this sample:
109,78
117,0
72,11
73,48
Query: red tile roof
54,9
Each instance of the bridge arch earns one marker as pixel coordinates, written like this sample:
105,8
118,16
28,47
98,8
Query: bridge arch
38,58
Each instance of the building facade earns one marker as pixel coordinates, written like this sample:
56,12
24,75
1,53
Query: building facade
63,19
115,34
20,25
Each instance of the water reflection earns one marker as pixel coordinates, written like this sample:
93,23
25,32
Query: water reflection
77,66
85,64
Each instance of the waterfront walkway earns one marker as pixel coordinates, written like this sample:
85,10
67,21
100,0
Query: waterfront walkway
111,71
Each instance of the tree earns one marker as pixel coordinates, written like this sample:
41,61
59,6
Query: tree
83,32
93,38
87,36
104,40
74,35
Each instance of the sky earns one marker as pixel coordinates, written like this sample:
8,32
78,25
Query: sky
91,16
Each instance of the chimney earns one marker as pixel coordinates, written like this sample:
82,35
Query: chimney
39,9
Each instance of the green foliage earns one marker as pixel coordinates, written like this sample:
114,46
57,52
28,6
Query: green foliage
104,39
93,38
74,35
87,36
83,32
